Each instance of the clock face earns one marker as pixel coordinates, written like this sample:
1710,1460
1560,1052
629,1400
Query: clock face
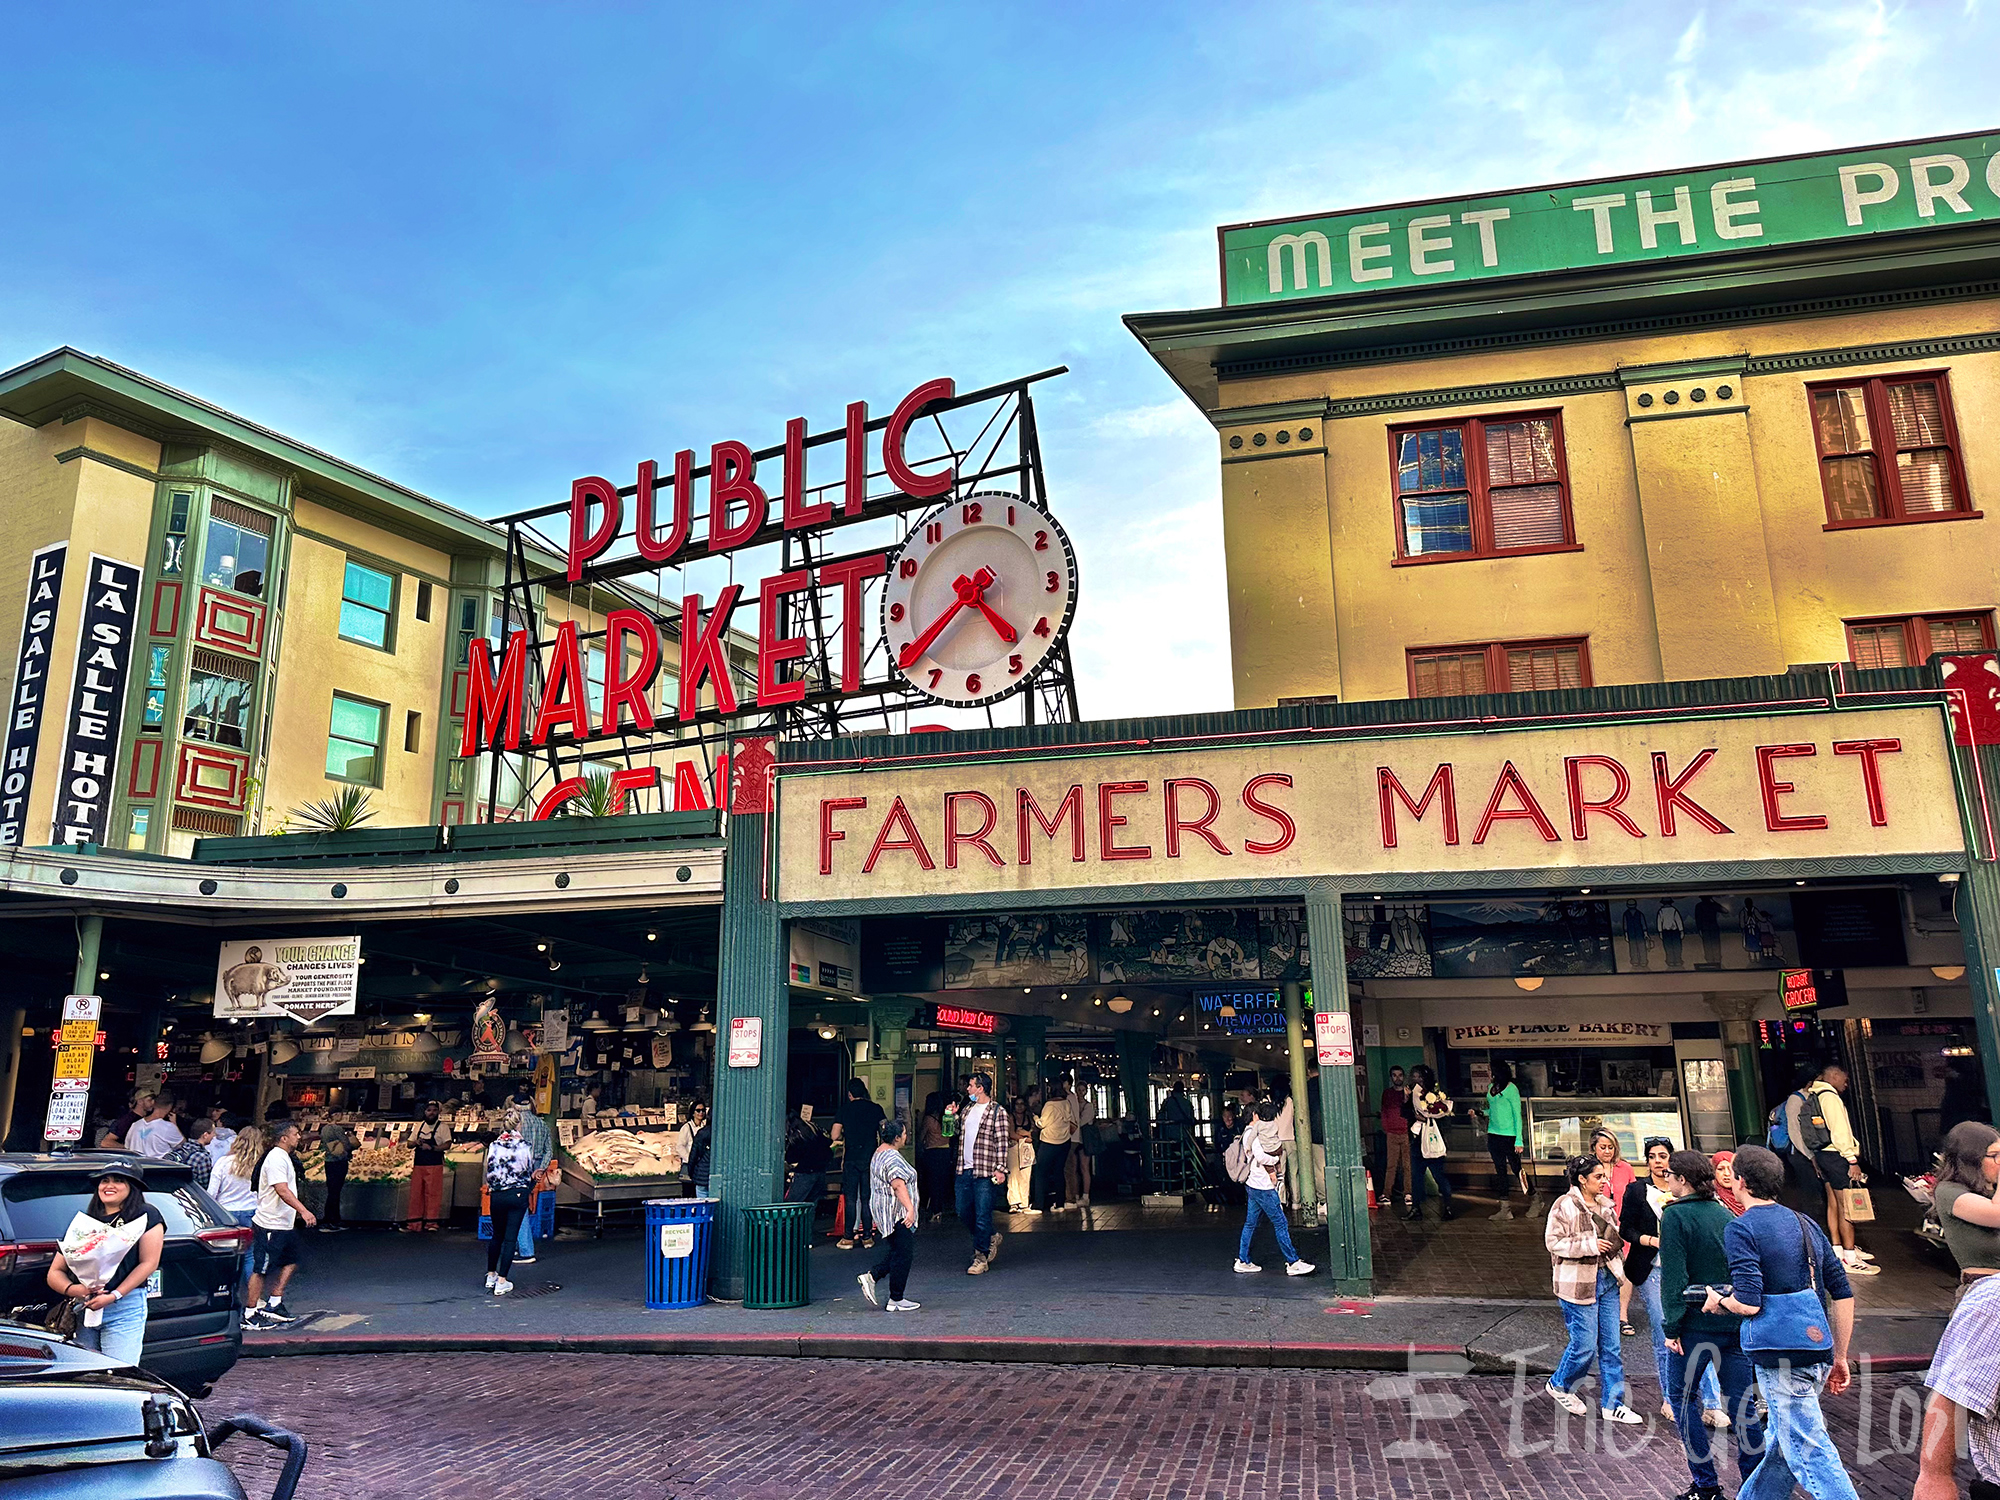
979,595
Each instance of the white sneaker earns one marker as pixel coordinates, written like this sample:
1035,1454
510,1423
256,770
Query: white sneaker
1247,1267
1861,1268
1624,1416
502,1287
904,1305
1300,1268
1573,1404
1860,1255
868,1288
491,1277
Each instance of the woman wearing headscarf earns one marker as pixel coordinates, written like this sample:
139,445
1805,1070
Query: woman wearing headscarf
1724,1163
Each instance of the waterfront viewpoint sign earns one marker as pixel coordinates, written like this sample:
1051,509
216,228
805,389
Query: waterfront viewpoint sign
1668,215
1661,794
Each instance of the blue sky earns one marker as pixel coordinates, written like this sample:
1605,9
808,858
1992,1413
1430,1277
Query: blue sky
483,249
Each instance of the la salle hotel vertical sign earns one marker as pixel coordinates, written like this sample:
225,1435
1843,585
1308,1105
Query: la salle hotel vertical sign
96,702
27,702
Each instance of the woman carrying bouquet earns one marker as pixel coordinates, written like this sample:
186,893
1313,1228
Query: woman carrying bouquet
112,1296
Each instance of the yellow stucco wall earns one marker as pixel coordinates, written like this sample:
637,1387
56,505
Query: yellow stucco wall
1703,544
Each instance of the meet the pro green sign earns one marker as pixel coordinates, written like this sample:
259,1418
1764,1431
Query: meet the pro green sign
1783,201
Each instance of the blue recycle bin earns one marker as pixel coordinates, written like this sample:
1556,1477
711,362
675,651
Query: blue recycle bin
678,1234
544,1218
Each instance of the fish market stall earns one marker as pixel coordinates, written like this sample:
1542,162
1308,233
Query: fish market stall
618,1169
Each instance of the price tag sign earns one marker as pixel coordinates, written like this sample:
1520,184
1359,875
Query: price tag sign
746,1041
1333,1035
66,1116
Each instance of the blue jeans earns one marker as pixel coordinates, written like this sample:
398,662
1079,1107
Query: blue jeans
807,1187
243,1216
122,1334
1800,1452
854,1184
1694,1370
1422,1167
975,1208
1264,1204
1593,1336
1649,1294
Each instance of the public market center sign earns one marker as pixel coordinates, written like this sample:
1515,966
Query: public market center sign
1664,793
1789,200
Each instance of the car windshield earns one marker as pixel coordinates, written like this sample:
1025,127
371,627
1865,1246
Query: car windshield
41,1205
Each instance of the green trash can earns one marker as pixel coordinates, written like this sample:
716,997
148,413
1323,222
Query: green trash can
777,1255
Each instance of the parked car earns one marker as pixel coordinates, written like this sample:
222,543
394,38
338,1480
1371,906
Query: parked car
77,1426
194,1328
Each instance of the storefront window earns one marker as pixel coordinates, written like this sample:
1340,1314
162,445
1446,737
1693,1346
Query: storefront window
217,709
235,558
354,742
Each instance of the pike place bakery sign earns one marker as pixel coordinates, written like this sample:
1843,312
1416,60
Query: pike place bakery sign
1663,793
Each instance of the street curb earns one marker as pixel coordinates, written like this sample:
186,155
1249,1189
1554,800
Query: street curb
1003,1349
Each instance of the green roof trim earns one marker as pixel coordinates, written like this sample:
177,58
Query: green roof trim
463,841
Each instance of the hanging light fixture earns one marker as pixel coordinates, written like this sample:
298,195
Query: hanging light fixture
284,1049
1121,1004
1528,982
704,1024
597,1023
426,1042
514,1041
213,1051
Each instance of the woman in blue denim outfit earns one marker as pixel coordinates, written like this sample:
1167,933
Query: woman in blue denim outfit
1639,1211
229,1183
1582,1238
117,1197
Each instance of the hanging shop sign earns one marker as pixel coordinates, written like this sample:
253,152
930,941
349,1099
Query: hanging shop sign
978,596
1557,1034
29,698
1657,793
1243,1012
1765,204
959,1018
1798,991
302,979
86,778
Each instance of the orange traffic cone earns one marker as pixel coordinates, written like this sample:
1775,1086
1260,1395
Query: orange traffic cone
1372,1203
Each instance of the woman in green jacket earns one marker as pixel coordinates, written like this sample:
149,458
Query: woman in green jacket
1506,1137
1691,1255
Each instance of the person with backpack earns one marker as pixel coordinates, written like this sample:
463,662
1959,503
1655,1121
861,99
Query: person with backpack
1827,1135
1257,1155
1791,1289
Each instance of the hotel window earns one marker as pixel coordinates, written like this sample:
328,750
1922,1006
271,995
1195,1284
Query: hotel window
157,661
1481,488
237,548
217,705
141,818
1888,451
354,741
1504,667
593,681
367,600
1910,640
174,550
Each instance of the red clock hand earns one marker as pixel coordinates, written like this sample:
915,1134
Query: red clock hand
1001,628
968,591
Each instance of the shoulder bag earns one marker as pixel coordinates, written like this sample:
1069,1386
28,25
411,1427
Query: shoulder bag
1793,1320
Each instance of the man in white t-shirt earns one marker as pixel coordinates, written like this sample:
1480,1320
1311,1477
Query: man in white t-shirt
273,1228
156,1134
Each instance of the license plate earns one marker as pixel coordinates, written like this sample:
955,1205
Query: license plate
153,1283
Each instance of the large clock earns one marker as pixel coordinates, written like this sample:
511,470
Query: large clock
979,595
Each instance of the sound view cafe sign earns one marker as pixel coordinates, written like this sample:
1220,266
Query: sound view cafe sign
1661,793
975,600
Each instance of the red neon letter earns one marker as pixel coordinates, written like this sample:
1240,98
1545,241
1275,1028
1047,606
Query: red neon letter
1670,792
556,796
774,648
688,793
732,476
1109,822
851,573
565,699
1070,807
911,842
1871,772
1580,806
1776,821
656,549
1509,780
1391,791
797,512
828,834
901,475
493,708
855,494
989,815
1287,829
584,544
622,692
702,654
632,779
1200,827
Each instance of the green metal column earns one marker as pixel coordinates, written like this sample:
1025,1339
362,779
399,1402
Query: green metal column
1135,1077
89,944
1350,1254
747,1168
1296,1042
1031,1034
1978,904
1739,1054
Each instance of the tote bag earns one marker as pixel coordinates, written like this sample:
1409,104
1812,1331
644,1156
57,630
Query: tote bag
1432,1141
1793,1320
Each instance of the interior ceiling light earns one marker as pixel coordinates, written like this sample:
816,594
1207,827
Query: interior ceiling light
827,1033
644,977
554,963
541,945
596,1023
652,937
1226,1010
704,1024
1948,972
426,1041
284,1049
1529,982
1121,1004
514,1041
212,1050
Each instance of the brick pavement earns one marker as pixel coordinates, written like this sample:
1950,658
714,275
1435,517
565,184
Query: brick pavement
553,1426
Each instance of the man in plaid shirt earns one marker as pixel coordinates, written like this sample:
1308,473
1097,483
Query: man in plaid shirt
982,1169
1964,1409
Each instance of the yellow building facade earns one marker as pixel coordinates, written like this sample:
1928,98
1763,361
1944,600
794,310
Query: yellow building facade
1609,469
297,625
